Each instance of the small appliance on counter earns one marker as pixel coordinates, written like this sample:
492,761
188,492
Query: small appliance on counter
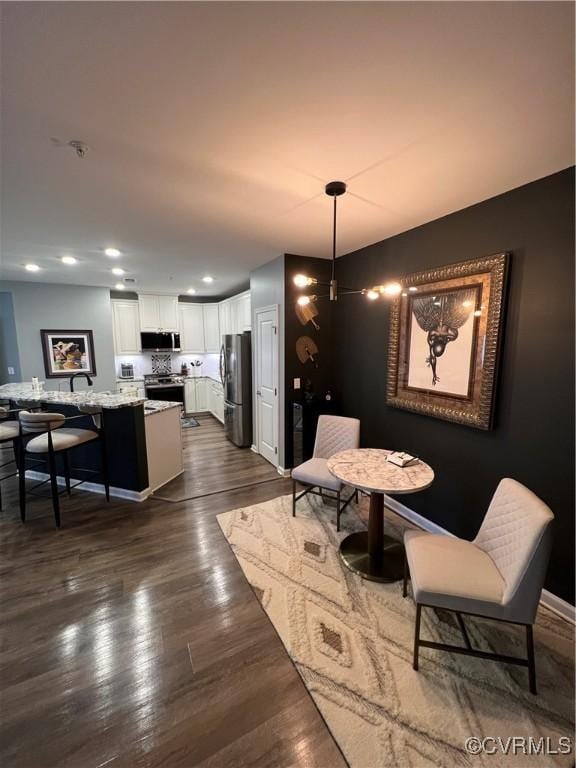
126,371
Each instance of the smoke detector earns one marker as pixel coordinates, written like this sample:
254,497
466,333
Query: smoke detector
80,147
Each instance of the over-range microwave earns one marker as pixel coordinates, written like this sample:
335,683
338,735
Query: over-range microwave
160,342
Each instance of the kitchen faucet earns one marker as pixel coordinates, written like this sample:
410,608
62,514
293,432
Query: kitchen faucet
74,375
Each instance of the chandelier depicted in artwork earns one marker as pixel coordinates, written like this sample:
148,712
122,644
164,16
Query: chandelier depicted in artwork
334,189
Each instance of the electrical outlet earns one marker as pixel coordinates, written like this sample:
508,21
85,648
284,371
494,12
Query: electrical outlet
296,383
11,371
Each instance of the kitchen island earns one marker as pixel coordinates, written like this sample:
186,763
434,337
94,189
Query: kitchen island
143,437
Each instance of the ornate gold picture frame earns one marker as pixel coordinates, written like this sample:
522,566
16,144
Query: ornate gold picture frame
444,341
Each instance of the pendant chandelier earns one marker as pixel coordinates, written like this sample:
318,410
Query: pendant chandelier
334,189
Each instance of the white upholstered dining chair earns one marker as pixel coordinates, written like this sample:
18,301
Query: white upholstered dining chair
499,575
333,434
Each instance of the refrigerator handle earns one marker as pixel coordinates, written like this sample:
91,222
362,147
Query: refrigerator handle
222,364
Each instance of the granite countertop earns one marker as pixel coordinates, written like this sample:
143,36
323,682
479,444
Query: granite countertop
24,391
157,406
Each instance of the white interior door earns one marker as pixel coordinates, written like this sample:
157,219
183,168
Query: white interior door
267,383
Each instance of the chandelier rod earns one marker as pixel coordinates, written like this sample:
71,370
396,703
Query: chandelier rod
334,242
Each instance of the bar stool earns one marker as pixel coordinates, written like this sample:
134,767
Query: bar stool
9,433
54,439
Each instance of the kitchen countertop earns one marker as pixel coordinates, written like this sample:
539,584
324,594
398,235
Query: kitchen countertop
157,406
24,391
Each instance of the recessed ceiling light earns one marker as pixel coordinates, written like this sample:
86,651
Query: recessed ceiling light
32,267
118,271
68,260
119,286
112,252
191,290
207,279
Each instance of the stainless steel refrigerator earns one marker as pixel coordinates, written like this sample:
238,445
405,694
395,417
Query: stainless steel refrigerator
236,375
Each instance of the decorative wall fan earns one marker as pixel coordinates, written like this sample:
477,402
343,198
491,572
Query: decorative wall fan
306,349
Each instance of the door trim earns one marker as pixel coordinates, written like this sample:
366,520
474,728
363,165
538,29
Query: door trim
269,308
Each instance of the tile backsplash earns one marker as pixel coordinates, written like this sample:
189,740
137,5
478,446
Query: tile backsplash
145,362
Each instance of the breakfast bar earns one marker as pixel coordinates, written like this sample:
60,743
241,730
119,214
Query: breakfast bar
142,437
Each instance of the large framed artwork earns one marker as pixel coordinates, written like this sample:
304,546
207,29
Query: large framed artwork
444,341
67,352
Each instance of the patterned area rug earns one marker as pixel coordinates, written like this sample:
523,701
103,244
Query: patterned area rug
351,641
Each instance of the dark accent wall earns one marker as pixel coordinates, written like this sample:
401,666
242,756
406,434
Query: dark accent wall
317,375
533,436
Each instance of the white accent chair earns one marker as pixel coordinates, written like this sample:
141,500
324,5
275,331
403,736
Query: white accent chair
499,575
333,434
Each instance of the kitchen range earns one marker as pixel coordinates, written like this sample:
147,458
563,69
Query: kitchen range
168,386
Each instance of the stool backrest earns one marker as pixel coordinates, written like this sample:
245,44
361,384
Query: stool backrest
41,421
515,533
334,434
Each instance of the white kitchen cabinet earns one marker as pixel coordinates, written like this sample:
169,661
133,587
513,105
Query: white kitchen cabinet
158,313
225,317
235,314
201,394
196,395
215,395
168,311
126,327
191,328
244,312
190,396
212,339
149,313
128,387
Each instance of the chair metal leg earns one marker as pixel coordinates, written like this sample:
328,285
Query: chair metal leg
66,471
463,630
405,582
54,486
417,637
356,498
293,498
338,511
531,659
104,462
22,482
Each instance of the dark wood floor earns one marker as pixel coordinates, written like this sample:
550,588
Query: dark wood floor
130,637
214,464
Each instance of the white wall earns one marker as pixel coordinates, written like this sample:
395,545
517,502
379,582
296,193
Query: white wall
267,289
62,307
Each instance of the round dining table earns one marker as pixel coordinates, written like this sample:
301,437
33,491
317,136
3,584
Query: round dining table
372,554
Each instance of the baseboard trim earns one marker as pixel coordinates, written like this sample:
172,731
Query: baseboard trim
253,448
283,472
117,493
558,606
549,600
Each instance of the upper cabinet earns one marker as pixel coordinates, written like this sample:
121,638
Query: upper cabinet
245,312
126,327
212,339
191,328
236,314
158,313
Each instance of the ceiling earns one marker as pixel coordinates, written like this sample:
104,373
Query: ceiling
213,127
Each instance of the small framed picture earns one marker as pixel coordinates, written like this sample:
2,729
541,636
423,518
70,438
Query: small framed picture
67,352
444,341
